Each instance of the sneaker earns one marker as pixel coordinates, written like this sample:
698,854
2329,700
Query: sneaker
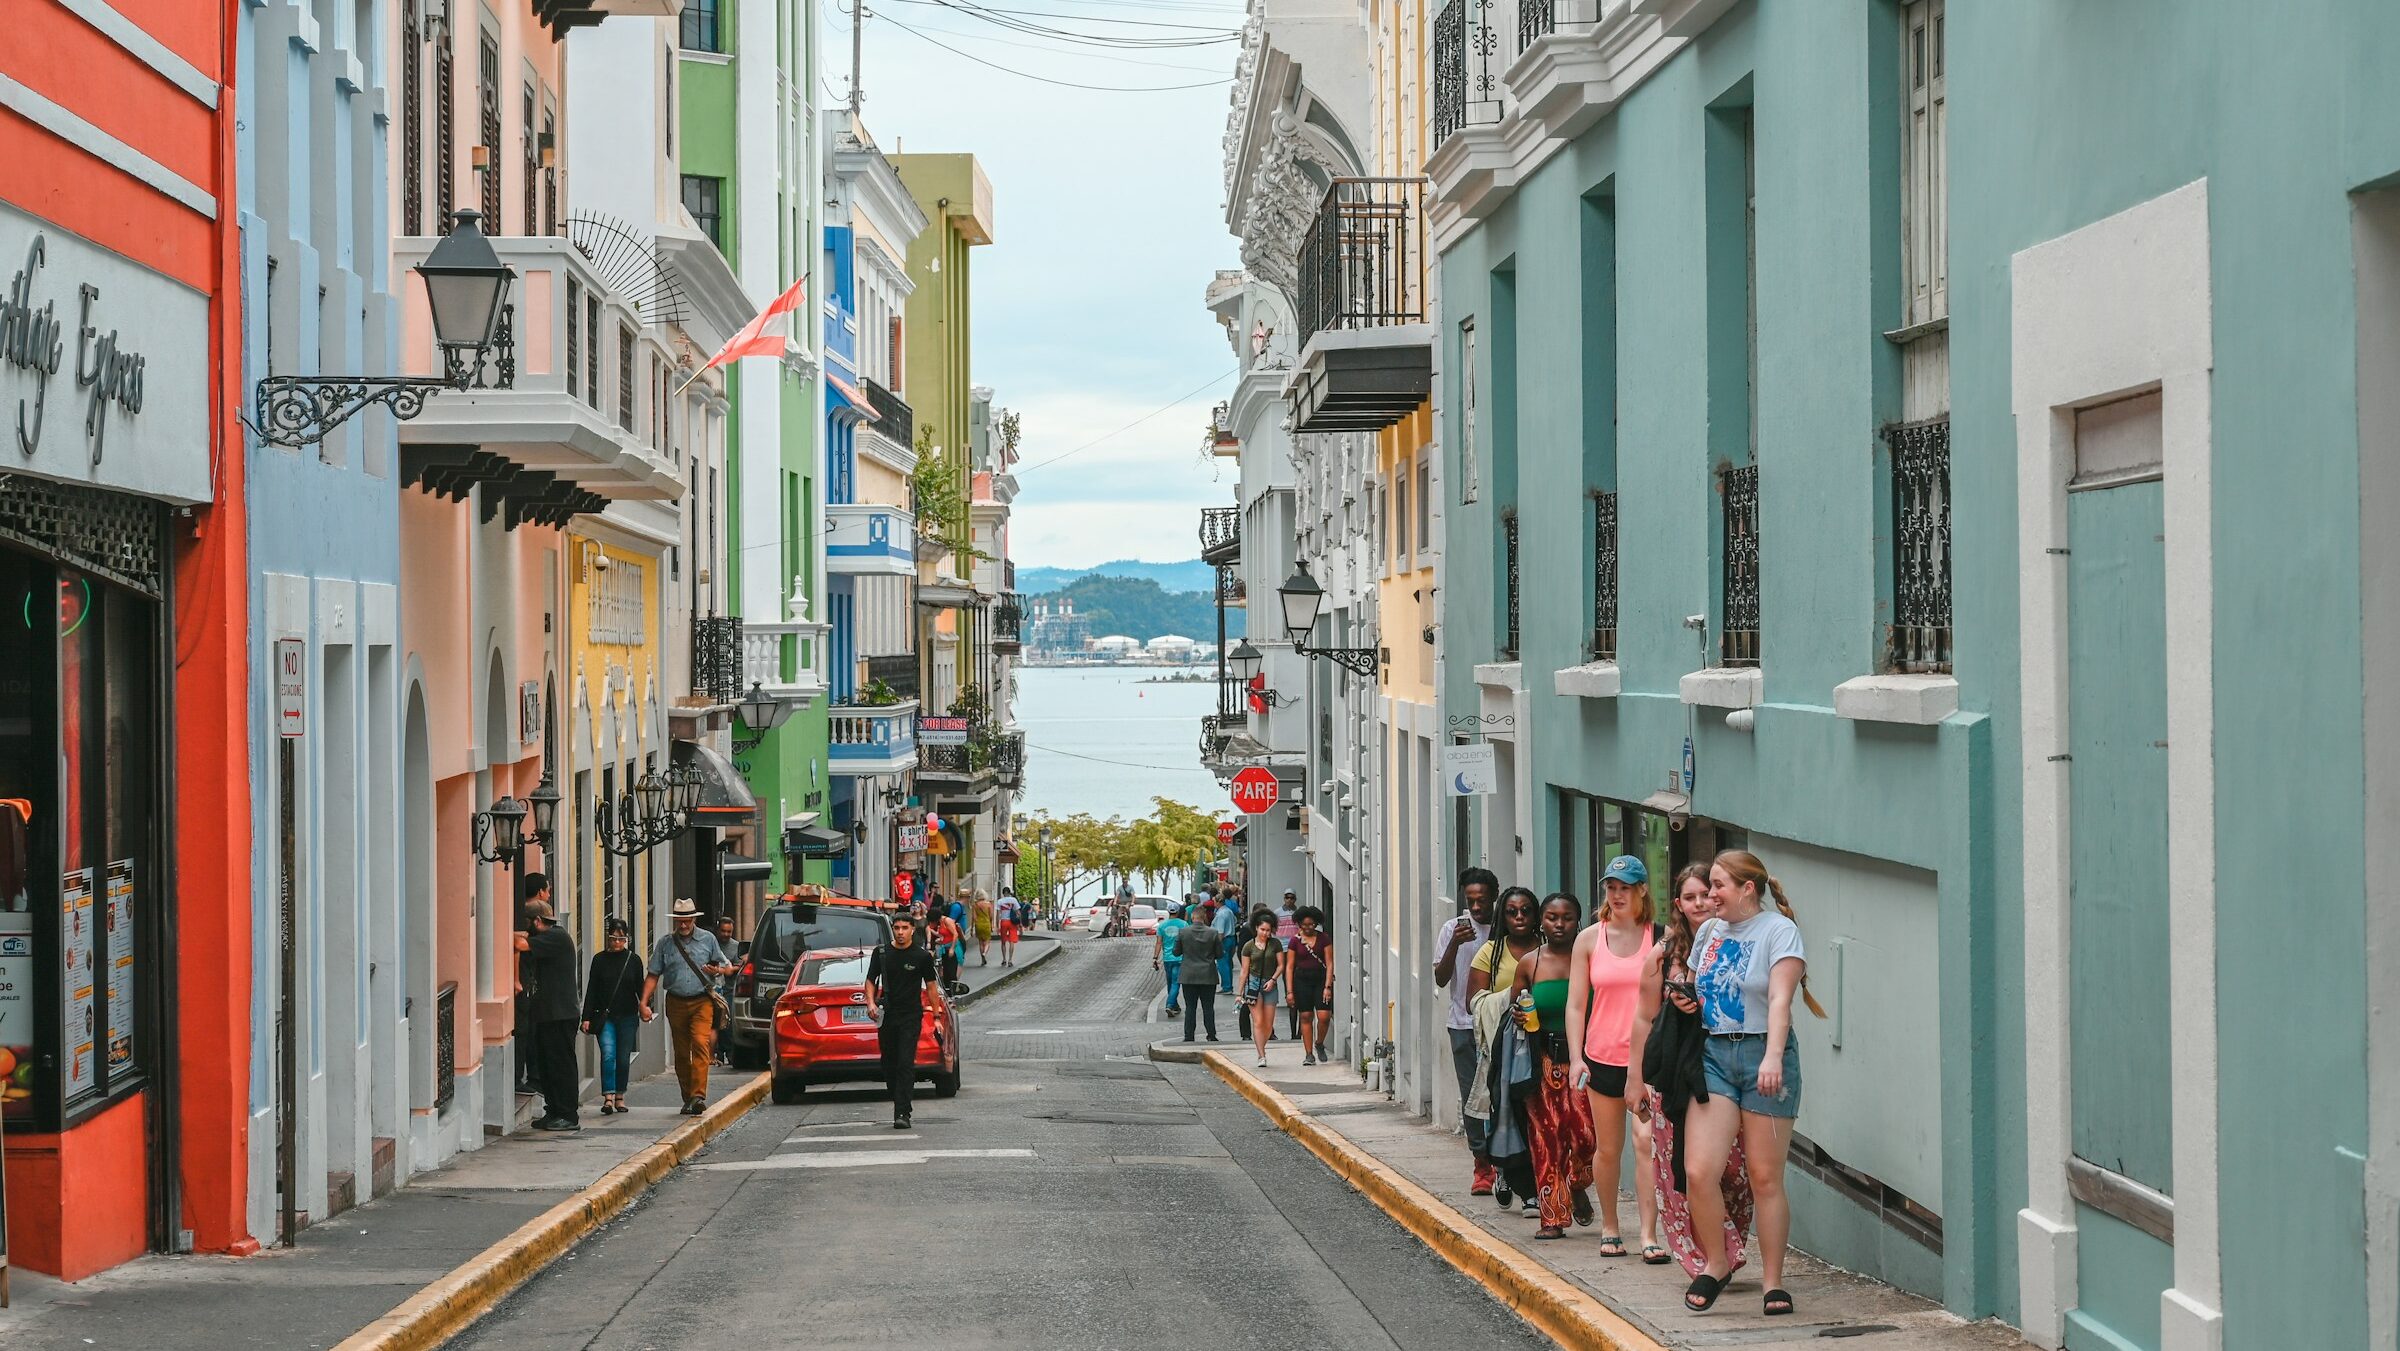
557,1123
1309,1059
1262,1062
1212,1038
1501,1194
695,1107
1188,1041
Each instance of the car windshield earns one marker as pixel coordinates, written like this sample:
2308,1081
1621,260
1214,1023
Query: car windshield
833,971
782,937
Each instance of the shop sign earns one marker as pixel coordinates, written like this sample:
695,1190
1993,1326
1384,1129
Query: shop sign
941,731
1471,769
103,365
529,711
291,686
912,840
79,1016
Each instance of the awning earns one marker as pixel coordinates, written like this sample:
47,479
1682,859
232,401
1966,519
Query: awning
852,395
743,868
725,799
816,842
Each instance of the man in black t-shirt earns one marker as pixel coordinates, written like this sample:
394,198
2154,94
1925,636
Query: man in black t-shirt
896,979
556,1006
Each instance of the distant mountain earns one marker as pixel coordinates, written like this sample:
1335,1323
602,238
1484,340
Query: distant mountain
1192,575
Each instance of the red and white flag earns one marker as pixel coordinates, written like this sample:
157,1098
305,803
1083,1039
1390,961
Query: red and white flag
765,336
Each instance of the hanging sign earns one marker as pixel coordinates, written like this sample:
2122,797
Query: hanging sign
1688,764
912,840
1471,770
291,686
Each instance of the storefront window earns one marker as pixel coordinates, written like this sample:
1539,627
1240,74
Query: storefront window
79,775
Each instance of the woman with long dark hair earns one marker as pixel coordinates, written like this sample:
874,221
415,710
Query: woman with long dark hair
1747,963
1604,997
1558,1120
1492,975
1668,1036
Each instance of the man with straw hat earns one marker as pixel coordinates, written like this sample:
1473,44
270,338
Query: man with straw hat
686,961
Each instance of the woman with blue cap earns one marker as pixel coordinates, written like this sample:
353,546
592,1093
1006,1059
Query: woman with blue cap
1604,997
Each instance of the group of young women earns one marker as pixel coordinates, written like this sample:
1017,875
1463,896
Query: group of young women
1675,1031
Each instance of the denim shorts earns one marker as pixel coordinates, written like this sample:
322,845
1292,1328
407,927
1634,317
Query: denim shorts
1732,1069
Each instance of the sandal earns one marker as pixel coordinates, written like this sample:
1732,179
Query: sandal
1701,1295
1550,1231
1582,1204
1655,1256
1778,1296
1612,1245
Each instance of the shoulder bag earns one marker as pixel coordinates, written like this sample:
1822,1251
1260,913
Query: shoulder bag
715,995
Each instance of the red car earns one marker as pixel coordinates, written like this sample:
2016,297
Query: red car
823,1034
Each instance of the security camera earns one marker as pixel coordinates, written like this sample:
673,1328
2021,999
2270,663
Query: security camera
1678,820
1695,621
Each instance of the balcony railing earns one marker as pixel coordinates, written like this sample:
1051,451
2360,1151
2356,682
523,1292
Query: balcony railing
1008,759
893,417
1511,591
1604,576
1220,534
870,538
898,672
787,659
1362,264
1008,623
1450,69
1535,20
1232,592
717,658
872,738
1920,637
1739,488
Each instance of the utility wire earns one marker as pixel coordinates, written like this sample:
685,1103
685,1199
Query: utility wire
1212,384
1219,32
1044,79
1005,19
1099,760
1054,51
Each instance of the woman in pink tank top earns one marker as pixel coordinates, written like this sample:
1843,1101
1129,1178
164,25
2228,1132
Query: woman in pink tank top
1604,997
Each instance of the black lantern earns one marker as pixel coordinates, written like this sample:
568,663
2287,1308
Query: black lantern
503,825
465,284
1245,661
543,801
652,791
1302,601
761,712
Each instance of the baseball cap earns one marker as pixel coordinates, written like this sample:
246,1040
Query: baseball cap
1627,869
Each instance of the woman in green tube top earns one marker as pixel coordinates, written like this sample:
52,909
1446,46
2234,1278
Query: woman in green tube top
1558,1118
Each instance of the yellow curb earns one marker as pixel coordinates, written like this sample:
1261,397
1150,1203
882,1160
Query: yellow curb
1563,1311
445,1308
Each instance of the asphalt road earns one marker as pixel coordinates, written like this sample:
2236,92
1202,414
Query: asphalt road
1073,1195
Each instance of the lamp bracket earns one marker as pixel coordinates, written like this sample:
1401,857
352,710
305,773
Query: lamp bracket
301,410
1362,662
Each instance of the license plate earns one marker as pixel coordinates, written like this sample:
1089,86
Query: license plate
856,1015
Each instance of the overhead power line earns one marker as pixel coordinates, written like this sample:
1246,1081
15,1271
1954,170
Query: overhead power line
1184,399
1044,79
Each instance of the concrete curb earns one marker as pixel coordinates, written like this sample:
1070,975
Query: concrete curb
447,1307
1047,952
1563,1311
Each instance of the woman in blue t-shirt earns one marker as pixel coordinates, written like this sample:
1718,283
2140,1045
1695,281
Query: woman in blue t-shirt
1746,965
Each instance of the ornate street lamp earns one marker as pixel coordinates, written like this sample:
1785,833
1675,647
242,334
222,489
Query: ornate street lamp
466,286
1245,659
543,802
1302,601
503,824
762,713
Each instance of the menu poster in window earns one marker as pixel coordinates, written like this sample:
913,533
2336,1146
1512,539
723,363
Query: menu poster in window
77,1024
120,964
16,1014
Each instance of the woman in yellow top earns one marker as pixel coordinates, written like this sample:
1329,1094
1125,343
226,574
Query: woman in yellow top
1493,974
980,916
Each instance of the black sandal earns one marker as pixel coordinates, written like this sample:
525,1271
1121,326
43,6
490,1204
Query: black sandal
1775,1297
1705,1288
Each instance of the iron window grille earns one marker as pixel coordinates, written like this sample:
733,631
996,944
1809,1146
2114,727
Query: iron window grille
1604,576
1511,588
1450,70
625,376
717,658
1536,19
574,338
445,1047
1739,639
445,126
550,173
591,350
532,167
1920,633
487,96
113,535
412,124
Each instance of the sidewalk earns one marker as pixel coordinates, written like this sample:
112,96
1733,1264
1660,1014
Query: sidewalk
1329,1103
361,1265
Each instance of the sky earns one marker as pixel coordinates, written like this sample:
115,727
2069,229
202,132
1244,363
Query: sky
1108,222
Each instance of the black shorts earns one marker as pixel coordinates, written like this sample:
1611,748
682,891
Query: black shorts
1607,1080
1309,994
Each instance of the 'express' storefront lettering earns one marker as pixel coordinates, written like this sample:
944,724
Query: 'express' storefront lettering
32,340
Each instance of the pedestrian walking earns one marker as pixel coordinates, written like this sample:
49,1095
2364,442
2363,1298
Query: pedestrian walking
1669,1038
725,984
684,961
1604,999
612,1010
1228,924
1166,952
535,887
1201,946
949,949
982,916
1463,935
1308,978
1262,971
1558,1120
1747,962
550,962
897,974
1491,975
1012,918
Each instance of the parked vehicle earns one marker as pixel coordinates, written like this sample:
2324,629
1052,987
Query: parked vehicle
786,930
823,1034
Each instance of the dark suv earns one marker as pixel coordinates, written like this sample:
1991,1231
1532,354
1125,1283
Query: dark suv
786,930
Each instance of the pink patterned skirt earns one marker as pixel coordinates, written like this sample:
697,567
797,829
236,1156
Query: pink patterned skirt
1675,1209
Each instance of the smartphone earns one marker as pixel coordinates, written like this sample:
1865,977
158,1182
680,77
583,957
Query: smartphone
1684,988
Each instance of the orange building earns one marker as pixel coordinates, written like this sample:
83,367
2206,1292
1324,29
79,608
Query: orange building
125,935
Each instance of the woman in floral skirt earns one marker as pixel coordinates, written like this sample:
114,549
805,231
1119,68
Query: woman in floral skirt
1671,1080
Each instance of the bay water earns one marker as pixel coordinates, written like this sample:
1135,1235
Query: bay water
1104,740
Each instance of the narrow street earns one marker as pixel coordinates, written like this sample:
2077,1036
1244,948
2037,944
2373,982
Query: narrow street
1074,1194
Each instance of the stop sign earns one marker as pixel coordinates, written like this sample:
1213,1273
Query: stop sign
1225,831
1254,791
904,886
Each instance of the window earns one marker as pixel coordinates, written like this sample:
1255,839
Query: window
625,376
487,98
702,197
1400,551
1604,576
1924,192
532,166
412,124
550,169
1511,592
445,127
1920,633
574,337
1739,619
1424,533
591,350
701,31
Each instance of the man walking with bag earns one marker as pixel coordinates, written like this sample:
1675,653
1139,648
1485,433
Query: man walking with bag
685,961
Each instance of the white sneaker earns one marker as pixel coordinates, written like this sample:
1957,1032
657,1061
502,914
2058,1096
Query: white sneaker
1262,1062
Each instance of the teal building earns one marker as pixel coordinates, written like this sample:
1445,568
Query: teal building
1969,506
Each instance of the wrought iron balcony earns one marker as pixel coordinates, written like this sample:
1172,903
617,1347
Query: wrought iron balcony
1232,592
872,739
1450,69
894,419
1920,633
1008,623
1604,576
1536,19
1740,619
1220,535
1367,350
717,658
1008,759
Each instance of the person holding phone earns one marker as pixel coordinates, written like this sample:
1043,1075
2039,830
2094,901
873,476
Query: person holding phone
1668,1036
1261,962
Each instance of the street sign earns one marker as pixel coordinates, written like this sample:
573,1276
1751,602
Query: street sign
291,686
1254,791
904,886
1470,769
1225,831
